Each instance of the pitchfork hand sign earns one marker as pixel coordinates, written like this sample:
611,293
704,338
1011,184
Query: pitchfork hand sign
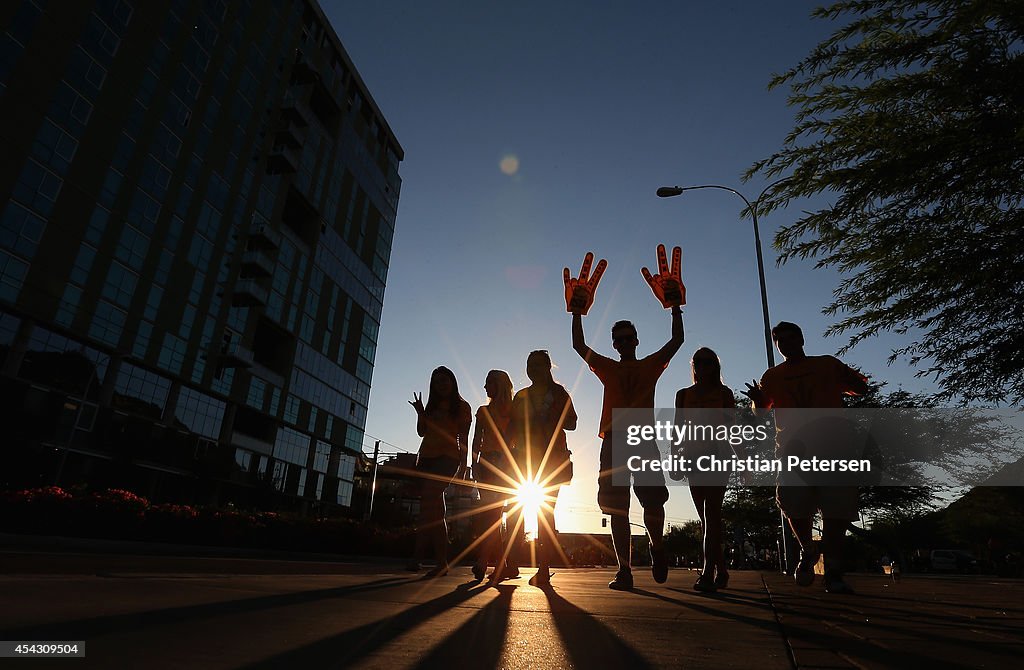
667,285
579,293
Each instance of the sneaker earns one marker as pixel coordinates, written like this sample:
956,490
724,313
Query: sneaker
479,571
804,573
541,580
439,571
500,576
834,584
705,584
623,580
659,565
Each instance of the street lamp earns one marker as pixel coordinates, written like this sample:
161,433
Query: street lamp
671,192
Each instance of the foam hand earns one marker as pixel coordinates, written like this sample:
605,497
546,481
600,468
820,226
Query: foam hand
667,284
579,293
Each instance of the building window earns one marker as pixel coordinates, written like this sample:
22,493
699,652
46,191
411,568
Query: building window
107,323
200,413
142,386
172,354
12,276
20,230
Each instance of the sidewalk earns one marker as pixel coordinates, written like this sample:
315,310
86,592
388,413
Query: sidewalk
163,612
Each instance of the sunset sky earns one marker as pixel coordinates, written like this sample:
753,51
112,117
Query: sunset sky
535,132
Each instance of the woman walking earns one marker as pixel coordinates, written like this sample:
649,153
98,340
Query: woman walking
495,472
708,488
541,413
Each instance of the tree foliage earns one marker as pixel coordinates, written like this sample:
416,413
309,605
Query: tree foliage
911,117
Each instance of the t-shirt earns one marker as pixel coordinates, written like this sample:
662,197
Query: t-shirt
441,432
540,419
812,381
627,384
807,383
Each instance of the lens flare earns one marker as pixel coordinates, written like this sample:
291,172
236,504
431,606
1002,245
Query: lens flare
509,164
530,495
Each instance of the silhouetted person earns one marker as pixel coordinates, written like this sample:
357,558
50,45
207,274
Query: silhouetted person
496,475
803,382
708,488
444,426
629,383
541,413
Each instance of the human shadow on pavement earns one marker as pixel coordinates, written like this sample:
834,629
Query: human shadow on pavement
588,642
350,646
134,621
697,605
479,642
928,625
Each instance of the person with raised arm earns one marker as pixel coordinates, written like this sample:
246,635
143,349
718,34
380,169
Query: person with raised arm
629,383
444,426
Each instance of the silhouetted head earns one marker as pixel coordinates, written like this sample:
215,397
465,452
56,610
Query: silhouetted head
443,386
538,366
624,339
706,367
789,339
498,387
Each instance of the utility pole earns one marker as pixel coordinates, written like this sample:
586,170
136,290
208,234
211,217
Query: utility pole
373,484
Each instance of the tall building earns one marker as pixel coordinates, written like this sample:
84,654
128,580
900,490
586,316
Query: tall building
198,202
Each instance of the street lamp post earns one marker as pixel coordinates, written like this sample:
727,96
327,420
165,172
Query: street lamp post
672,191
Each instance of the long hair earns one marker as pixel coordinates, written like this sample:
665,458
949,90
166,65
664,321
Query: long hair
504,383
710,354
455,401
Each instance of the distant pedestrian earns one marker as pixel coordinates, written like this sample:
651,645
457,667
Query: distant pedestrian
804,382
707,488
444,426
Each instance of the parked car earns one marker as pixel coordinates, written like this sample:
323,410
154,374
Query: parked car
952,560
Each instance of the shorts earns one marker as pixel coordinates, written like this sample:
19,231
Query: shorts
648,485
803,502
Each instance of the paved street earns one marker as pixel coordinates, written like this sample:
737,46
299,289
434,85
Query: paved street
168,612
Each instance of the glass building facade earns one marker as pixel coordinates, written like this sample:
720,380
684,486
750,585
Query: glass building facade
198,203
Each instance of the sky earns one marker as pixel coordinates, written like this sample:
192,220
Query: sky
535,132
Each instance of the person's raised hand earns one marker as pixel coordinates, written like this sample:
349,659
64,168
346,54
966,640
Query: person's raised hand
667,285
755,393
417,402
580,292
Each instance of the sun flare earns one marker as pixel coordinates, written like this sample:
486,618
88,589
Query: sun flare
530,495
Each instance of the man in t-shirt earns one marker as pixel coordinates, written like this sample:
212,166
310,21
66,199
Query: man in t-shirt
629,384
805,382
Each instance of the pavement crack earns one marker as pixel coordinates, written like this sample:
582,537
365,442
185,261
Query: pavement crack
782,628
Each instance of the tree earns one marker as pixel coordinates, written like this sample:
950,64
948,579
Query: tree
913,116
